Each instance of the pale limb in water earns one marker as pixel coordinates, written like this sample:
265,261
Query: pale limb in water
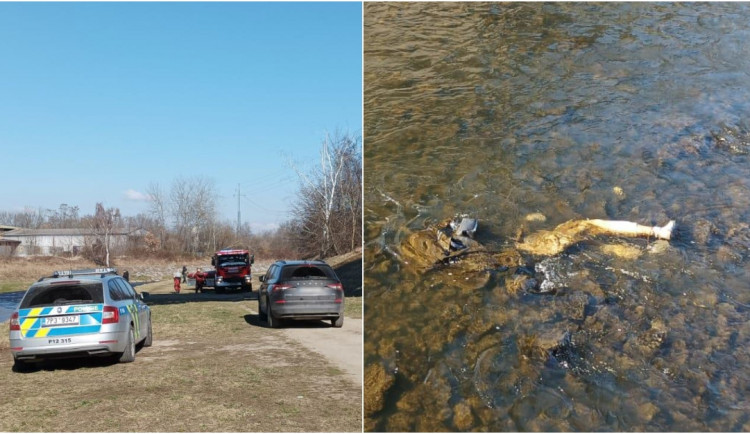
565,235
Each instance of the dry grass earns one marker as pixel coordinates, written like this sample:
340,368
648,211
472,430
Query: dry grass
18,273
211,368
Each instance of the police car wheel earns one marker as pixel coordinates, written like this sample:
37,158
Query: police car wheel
21,366
129,354
261,311
149,336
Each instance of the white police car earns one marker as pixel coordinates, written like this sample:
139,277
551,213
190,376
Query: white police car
78,313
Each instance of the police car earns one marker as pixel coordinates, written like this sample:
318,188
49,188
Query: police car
76,313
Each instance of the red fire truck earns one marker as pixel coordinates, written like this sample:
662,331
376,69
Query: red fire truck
231,270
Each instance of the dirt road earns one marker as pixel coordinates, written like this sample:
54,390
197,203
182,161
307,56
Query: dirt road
342,347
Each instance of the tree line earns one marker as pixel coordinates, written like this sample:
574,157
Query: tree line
182,218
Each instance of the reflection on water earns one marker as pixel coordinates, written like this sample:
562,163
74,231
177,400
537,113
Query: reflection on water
619,111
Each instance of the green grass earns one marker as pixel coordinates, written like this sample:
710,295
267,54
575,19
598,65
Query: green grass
13,286
353,307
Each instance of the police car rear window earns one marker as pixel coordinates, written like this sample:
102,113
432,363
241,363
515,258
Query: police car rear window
62,294
307,272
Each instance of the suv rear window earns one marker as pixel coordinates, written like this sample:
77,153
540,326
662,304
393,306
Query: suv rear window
63,294
307,272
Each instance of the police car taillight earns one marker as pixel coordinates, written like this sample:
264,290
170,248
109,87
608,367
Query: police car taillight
110,315
14,323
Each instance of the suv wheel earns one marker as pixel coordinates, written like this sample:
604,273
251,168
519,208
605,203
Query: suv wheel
337,322
129,354
261,312
272,322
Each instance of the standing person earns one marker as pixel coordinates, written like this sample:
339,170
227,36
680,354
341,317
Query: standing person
200,278
126,276
177,277
184,273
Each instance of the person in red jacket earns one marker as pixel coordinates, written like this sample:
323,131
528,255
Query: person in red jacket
200,279
177,282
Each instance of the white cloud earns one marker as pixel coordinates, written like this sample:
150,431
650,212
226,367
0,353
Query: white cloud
131,194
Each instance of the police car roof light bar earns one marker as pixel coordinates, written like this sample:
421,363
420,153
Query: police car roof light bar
86,271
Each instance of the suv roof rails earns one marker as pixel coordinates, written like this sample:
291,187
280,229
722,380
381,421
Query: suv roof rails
302,261
83,272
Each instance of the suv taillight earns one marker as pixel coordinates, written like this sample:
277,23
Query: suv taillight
280,287
338,287
110,315
14,323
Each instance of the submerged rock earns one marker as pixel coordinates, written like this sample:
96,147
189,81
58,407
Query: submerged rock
622,251
702,230
535,217
574,305
462,417
377,382
544,342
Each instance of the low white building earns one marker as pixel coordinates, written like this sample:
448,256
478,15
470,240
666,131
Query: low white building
49,242
8,247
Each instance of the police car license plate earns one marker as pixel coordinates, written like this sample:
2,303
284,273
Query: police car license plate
52,321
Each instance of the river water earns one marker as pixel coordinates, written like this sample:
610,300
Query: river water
8,303
628,111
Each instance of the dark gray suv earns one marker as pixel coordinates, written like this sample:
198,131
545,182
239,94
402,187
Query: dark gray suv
301,290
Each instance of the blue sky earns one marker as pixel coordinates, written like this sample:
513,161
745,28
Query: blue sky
97,100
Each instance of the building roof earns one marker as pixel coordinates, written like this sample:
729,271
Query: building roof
7,228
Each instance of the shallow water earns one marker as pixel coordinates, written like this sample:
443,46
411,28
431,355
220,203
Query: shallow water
8,303
619,111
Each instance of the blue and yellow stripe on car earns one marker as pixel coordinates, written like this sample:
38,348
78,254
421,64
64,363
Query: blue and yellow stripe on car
133,309
89,320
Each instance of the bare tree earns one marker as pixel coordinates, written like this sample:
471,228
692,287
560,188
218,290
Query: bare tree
25,219
104,223
328,211
350,199
158,209
193,208
64,217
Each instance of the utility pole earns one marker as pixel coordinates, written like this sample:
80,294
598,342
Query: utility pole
239,215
